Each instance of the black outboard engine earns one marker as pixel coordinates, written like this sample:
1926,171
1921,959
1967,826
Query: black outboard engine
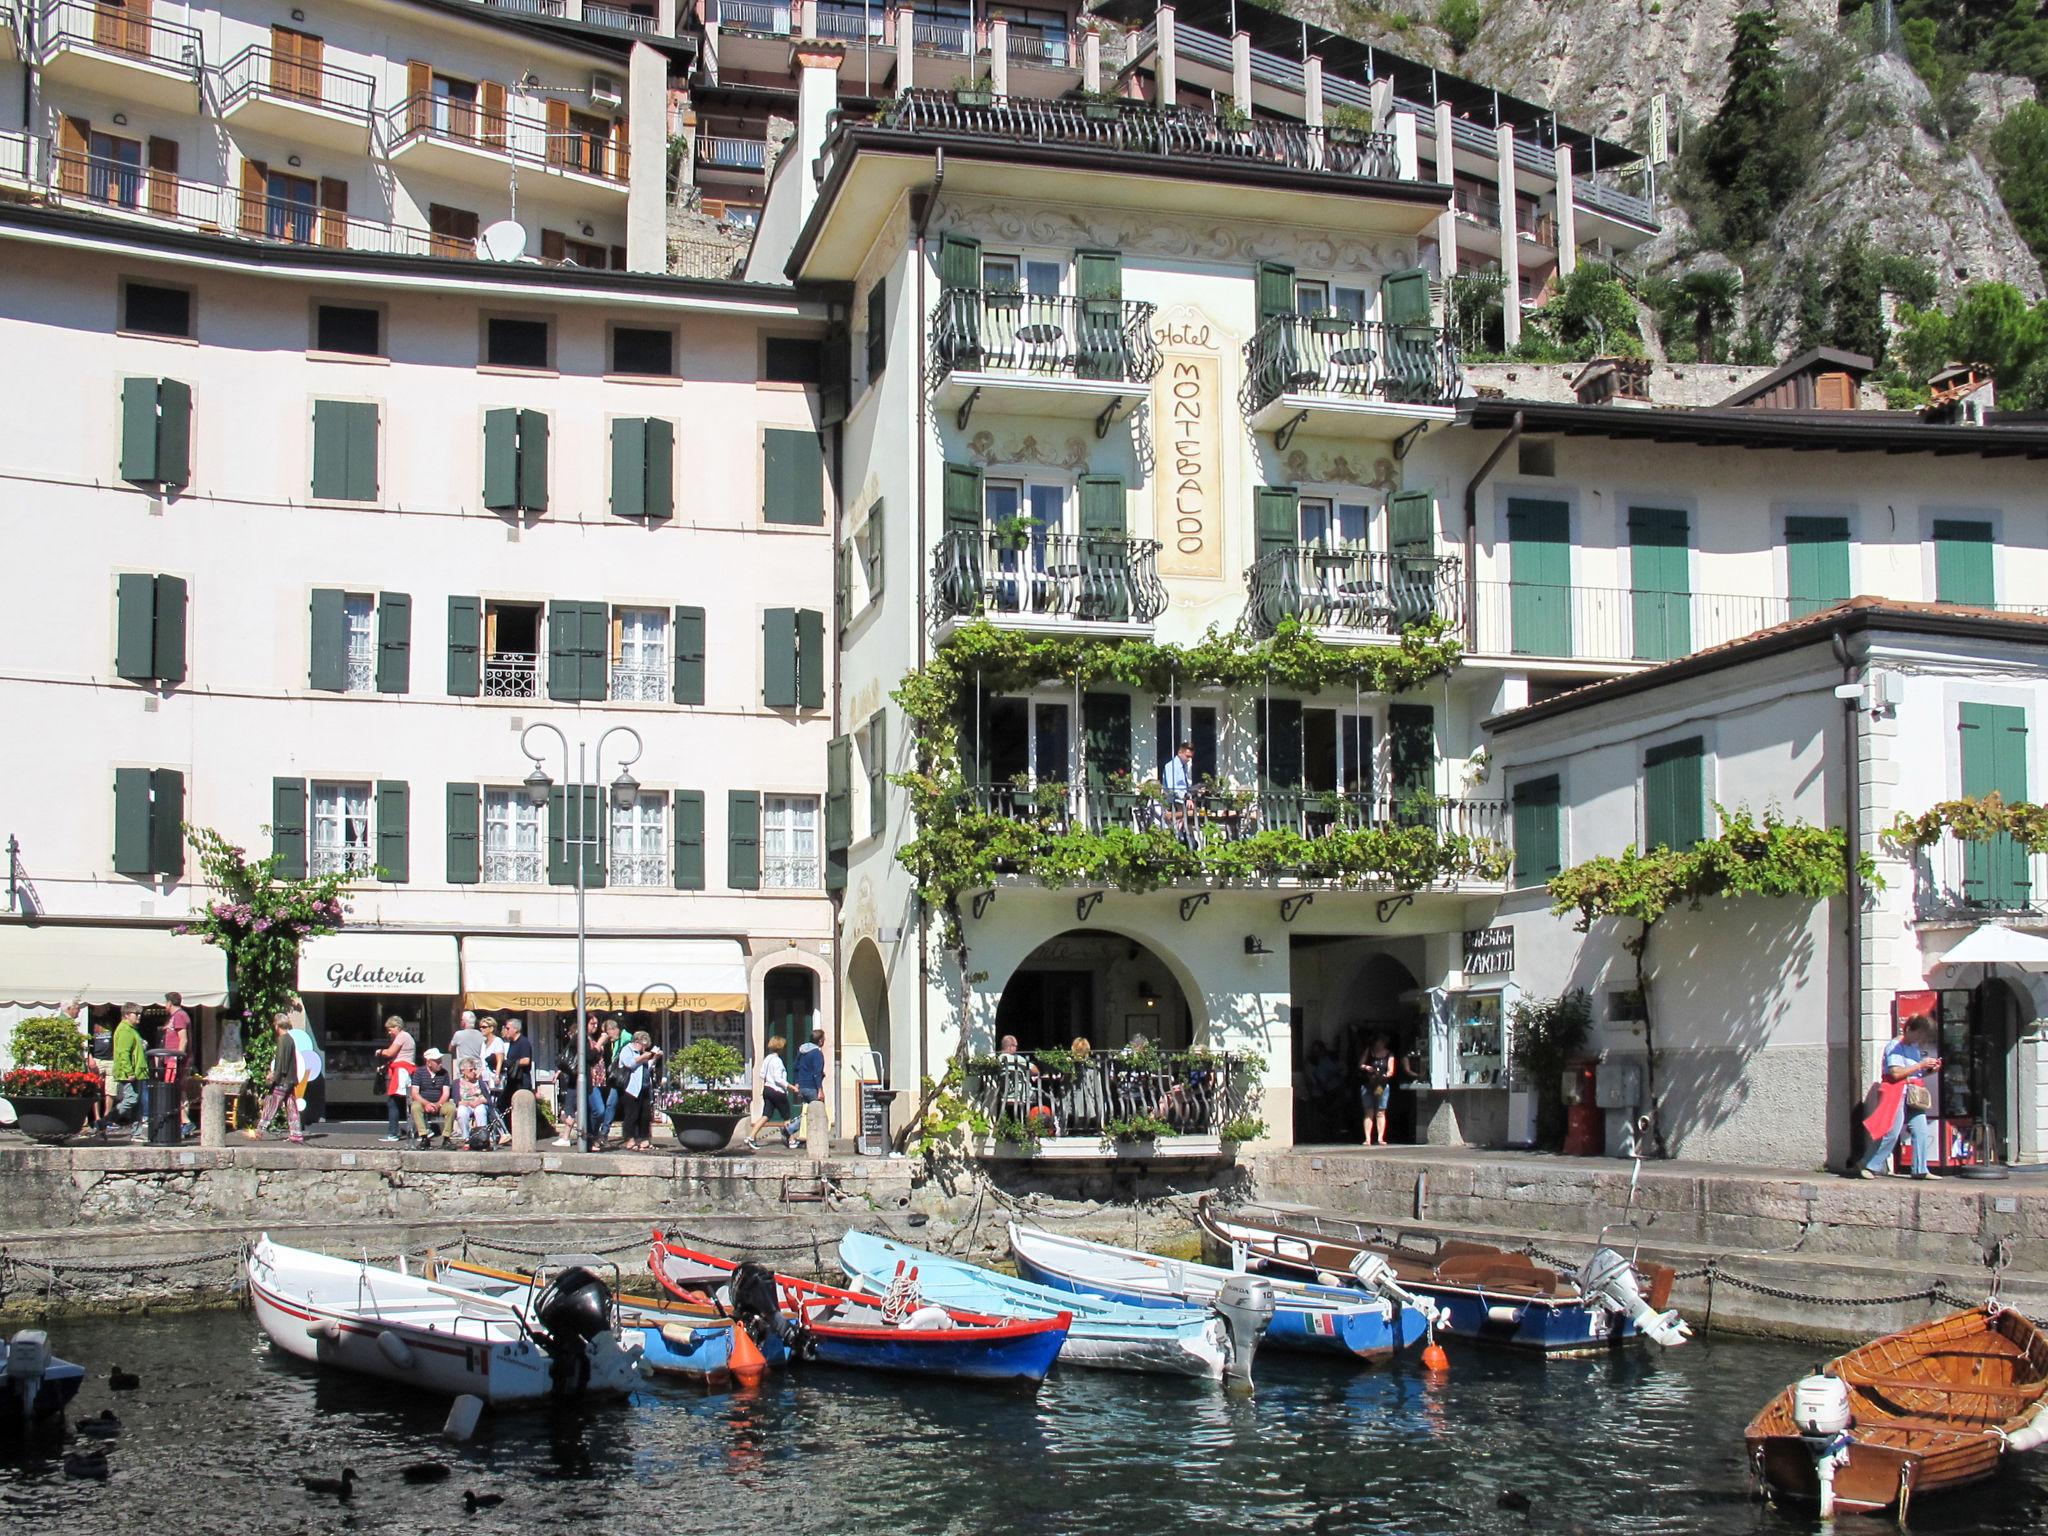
574,1308
757,1307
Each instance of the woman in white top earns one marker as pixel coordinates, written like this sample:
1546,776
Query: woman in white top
772,1078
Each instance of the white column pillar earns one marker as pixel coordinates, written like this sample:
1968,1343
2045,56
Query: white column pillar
709,57
999,56
686,125
817,93
665,17
906,32
1163,66
647,160
1510,248
1567,215
572,10
1404,146
1447,221
807,18
1312,88
1241,71
1091,60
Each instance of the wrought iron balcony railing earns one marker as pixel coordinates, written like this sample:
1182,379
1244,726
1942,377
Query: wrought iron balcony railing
1046,335
343,859
1961,877
1334,355
640,684
120,29
1351,591
512,675
1098,578
258,71
1132,127
639,869
1195,1093
512,866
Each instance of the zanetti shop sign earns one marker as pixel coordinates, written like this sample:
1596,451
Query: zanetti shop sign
380,964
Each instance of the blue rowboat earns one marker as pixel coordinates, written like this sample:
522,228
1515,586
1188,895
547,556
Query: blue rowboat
1106,1335
1319,1319
839,1327
1487,1294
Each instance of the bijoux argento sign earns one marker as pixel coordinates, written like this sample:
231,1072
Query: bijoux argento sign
1489,951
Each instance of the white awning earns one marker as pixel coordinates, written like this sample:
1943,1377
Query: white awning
1993,944
367,962
46,966
636,975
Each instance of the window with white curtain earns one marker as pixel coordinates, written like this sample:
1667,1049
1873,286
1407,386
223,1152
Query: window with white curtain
341,830
512,852
789,843
640,654
362,645
639,842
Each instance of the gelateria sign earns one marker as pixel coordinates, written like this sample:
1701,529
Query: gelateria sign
380,964
1187,416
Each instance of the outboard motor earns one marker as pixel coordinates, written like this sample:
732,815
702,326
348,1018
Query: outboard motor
574,1309
1611,1280
1245,1303
28,1361
1821,1409
1373,1273
757,1307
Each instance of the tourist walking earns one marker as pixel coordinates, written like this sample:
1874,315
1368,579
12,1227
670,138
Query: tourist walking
473,1112
432,1094
99,1047
1903,1099
1377,1068
604,1086
772,1078
467,1042
810,1068
515,1066
131,1069
637,1065
567,1069
177,1039
284,1084
399,1061
493,1052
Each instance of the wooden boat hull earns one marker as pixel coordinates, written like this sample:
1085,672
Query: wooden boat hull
1189,1341
1932,1409
1313,1319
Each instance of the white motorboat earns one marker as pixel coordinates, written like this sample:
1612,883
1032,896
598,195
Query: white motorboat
402,1327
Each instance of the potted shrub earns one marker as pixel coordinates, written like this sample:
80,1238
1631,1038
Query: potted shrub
969,92
1135,1135
702,1105
1014,533
1014,1137
1232,116
1101,106
52,1085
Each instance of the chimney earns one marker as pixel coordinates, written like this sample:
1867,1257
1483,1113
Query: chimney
816,66
1613,381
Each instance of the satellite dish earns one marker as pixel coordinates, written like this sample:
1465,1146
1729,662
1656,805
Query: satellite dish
504,240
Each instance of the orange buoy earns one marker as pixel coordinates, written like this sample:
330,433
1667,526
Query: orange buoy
1434,1360
748,1363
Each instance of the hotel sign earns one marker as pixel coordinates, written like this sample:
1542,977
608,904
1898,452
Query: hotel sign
1187,413
1489,951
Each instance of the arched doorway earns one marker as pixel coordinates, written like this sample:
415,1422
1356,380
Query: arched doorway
2001,1086
789,1007
865,1025
1098,986
1347,994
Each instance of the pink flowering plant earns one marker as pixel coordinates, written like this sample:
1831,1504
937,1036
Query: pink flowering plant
260,919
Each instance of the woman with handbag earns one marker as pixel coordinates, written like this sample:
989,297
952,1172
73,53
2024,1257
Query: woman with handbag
1903,1099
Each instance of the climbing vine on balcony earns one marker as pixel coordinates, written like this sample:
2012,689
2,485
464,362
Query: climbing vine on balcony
1973,820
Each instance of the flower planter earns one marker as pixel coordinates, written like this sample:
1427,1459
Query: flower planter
974,98
1138,1146
50,1120
1331,325
1101,111
703,1133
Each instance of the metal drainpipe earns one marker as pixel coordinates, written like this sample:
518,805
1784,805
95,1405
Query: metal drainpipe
1472,530
1852,844
924,220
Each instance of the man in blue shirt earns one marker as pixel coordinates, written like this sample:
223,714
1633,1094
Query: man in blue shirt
810,1068
1177,779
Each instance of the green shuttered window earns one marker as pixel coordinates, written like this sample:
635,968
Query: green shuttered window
1411,749
156,432
689,655
1661,578
1540,577
515,460
579,650
327,668
686,824
1675,795
838,809
792,477
394,840
465,834
1816,562
1105,737
288,826
394,642
345,450
1964,558
643,467
1994,743
743,840
576,820
149,822
1539,831
793,658
465,647
1404,297
878,774
149,629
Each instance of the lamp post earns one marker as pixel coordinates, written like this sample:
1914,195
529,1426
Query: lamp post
625,790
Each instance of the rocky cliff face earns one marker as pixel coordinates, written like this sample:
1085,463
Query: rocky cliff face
1885,170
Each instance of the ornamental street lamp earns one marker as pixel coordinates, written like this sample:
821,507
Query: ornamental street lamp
625,790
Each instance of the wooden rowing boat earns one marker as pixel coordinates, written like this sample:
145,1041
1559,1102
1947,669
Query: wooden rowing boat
1933,1408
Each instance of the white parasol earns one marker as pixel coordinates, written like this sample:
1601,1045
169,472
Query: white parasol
1995,944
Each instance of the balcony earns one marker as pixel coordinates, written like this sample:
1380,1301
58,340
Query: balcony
641,685
13,156
760,18
619,18
1051,580
307,103
723,152
1625,207
130,191
940,37
462,141
1051,354
850,24
1067,1103
1345,594
1344,375
512,675
1476,208
1040,47
1613,625
1960,880
1536,228
122,53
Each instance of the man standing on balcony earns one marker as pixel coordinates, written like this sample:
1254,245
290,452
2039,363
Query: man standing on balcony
1177,778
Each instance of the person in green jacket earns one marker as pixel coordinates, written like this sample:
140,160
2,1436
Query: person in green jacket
131,1066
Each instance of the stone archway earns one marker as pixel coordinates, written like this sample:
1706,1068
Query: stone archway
1102,985
864,1021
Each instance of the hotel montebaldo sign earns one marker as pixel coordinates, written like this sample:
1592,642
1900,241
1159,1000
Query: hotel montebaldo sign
1187,416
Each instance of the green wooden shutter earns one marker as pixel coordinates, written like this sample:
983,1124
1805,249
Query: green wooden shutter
1675,795
1994,742
173,432
394,837
1276,528
170,629
167,822
959,261
1276,290
559,870
810,658
1100,351
1661,577
330,449
1105,549
533,460
1105,736
878,774
689,655
594,652
629,467
962,499
329,669
1099,275
288,826
501,459
835,369
838,809
743,840
139,431
135,627
1404,297
842,582
870,542
661,468
465,834
792,477
1963,559
565,651
1411,749
362,452
1280,746
1276,512
1816,562
591,826
465,647
1538,840
686,830
1411,525
394,642
778,658
1540,577
131,821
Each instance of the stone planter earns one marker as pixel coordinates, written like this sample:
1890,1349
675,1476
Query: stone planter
974,98
1101,111
703,1133
50,1120
1141,1146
